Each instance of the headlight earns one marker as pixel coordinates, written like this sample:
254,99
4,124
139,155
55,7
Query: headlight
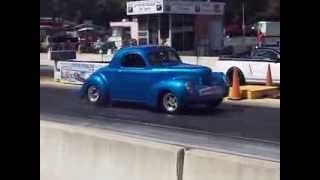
188,86
224,78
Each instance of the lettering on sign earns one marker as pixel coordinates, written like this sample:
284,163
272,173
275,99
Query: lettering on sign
174,7
77,72
144,7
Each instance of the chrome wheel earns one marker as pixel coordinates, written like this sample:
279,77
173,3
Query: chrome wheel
170,102
93,94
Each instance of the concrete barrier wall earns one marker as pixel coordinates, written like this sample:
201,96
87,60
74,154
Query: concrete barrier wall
74,153
68,152
207,165
202,60
94,57
81,56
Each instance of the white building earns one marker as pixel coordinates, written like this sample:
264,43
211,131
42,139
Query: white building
123,31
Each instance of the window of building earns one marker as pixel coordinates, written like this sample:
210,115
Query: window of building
183,32
164,28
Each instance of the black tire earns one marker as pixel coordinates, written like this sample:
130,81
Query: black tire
172,107
230,77
215,103
99,100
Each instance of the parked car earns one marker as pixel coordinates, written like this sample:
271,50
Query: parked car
252,66
155,76
236,30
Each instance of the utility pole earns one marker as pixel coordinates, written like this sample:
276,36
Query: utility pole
243,22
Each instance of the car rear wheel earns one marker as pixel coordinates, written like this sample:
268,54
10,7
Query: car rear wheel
94,95
230,78
169,103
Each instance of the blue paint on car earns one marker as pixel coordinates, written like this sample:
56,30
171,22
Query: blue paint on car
144,73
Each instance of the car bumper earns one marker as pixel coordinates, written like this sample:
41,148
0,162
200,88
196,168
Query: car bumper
207,94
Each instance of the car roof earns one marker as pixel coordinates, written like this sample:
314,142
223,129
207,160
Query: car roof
145,48
141,49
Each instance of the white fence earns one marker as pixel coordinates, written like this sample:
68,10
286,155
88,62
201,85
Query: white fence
72,70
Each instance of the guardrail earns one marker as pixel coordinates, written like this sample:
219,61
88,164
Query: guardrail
245,59
82,153
74,71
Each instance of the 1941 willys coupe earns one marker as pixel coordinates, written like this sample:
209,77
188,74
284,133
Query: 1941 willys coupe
155,76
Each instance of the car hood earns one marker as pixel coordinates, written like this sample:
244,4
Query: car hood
186,67
188,71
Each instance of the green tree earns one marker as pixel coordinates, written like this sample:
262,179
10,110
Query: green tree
103,11
254,10
100,11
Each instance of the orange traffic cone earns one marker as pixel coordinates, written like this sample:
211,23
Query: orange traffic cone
269,77
235,90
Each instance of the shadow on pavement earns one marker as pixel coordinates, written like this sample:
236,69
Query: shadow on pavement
239,120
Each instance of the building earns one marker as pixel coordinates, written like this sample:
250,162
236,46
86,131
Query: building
122,32
49,25
54,30
191,27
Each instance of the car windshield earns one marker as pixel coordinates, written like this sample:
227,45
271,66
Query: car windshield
163,57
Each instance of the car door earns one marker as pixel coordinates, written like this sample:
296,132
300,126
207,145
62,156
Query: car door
130,81
259,65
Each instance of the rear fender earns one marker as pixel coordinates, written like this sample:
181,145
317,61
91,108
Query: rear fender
240,69
98,80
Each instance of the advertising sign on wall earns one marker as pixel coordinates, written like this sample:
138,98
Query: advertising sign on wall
144,7
210,8
77,72
174,7
181,7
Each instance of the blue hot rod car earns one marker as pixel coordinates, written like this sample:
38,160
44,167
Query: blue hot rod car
154,75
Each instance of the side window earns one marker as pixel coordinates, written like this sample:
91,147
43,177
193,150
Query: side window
132,60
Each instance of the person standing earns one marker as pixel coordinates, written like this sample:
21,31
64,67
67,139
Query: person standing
260,38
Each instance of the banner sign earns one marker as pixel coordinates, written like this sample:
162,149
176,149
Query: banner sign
144,7
77,72
175,7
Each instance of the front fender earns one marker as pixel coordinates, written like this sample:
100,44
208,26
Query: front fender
219,78
97,79
176,86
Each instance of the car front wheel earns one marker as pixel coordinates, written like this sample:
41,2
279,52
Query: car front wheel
169,103
215,103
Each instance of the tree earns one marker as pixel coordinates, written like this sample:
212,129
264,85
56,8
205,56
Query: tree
254,10
103,11
100,11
